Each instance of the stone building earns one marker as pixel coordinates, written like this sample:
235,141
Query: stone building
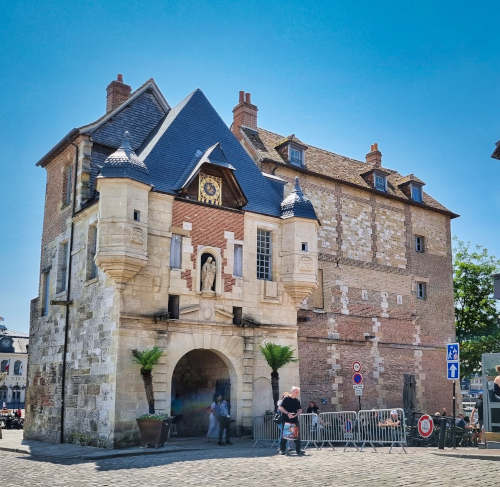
160,230
385,294
13,362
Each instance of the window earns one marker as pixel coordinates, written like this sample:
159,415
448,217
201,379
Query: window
91,251
16,394
416,193
62,267
3,394
4,365
421,290
304,247
173,306
238,260
264,255
66,192
176,251
18,367
380,182
296,156
137,215
237,315
419,244
45,292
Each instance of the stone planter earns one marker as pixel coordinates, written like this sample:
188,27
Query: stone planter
154,432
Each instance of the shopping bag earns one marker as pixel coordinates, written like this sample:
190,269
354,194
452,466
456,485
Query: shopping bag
290,431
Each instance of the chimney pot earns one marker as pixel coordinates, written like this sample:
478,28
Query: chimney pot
242,96
120,78
244,114
374,147
247,98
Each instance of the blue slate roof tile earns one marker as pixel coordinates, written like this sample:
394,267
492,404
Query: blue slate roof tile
296,204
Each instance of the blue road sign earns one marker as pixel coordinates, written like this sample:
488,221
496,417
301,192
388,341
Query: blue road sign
453,370
452,352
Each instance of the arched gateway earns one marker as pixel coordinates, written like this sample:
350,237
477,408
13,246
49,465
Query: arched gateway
198,376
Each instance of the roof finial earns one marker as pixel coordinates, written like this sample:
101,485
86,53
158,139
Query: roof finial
126,141
298,189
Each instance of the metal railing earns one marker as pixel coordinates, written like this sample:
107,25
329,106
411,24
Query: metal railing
377,427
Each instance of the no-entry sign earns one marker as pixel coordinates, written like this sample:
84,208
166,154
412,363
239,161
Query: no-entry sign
425,426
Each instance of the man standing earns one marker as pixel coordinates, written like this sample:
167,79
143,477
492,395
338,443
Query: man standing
223,417
291,409
478,408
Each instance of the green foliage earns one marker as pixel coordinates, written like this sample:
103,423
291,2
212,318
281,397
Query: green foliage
158,417
277,356
477,318
147,359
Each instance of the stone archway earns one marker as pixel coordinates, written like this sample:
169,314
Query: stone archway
198,376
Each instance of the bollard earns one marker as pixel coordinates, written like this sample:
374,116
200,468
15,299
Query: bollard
442,433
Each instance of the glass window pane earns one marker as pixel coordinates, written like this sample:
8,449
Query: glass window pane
264,260
176,252
238,260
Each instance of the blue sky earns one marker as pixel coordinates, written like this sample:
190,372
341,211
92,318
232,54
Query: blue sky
420,78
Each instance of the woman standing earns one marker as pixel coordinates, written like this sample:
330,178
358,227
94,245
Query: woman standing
213,424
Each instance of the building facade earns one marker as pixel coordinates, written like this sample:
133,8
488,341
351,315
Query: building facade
13,366
385,293
160,230
163,227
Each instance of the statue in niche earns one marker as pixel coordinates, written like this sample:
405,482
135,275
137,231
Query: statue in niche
208,271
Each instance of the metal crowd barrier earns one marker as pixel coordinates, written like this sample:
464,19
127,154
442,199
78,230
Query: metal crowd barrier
382,427
265,430
339,427
374,427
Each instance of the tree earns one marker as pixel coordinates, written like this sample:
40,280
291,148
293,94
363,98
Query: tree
277,356
477,318
147,359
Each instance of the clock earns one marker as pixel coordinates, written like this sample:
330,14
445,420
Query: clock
210,189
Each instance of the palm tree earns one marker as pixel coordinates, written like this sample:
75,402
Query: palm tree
277,356
147,359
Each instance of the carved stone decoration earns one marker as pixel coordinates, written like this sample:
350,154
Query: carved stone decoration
208,272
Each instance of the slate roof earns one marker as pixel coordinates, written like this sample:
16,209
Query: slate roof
324,163
296,204
192,127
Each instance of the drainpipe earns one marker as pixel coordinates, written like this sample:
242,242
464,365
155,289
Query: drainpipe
68,295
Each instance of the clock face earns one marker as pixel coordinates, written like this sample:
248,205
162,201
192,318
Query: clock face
210,189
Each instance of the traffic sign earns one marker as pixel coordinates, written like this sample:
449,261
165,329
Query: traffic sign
357,378
425,426
452,352
356,366
358,389
453,370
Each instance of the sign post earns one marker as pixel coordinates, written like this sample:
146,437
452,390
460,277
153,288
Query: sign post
357,380
453,373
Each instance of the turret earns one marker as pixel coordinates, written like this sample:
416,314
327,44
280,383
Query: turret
123,215
299,262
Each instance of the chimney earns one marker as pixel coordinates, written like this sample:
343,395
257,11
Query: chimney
117,93
244,113
374,156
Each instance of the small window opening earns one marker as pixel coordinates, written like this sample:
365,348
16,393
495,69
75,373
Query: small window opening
173,306
380,182
238,260
137,215
45,292
237,315
421,290
416,193
296,156
419,244
62,267
176,252
304,247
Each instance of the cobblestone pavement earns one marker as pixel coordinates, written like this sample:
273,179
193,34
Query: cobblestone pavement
247,466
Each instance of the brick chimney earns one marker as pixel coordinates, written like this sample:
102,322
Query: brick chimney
244,113
117,93
374,156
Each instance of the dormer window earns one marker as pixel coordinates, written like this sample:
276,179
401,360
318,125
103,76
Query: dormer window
296,156
416,192
380,181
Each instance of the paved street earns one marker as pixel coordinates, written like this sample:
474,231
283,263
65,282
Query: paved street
241,466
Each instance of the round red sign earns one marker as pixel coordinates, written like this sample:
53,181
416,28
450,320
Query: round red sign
425,426
356,366
357,378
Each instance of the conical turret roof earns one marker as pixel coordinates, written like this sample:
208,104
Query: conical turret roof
296,204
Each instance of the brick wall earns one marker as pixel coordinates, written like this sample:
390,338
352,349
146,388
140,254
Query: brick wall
208,225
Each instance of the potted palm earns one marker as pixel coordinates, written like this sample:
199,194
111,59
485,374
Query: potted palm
153,427
277,356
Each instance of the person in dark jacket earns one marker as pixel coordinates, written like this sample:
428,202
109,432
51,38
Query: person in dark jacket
291,408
